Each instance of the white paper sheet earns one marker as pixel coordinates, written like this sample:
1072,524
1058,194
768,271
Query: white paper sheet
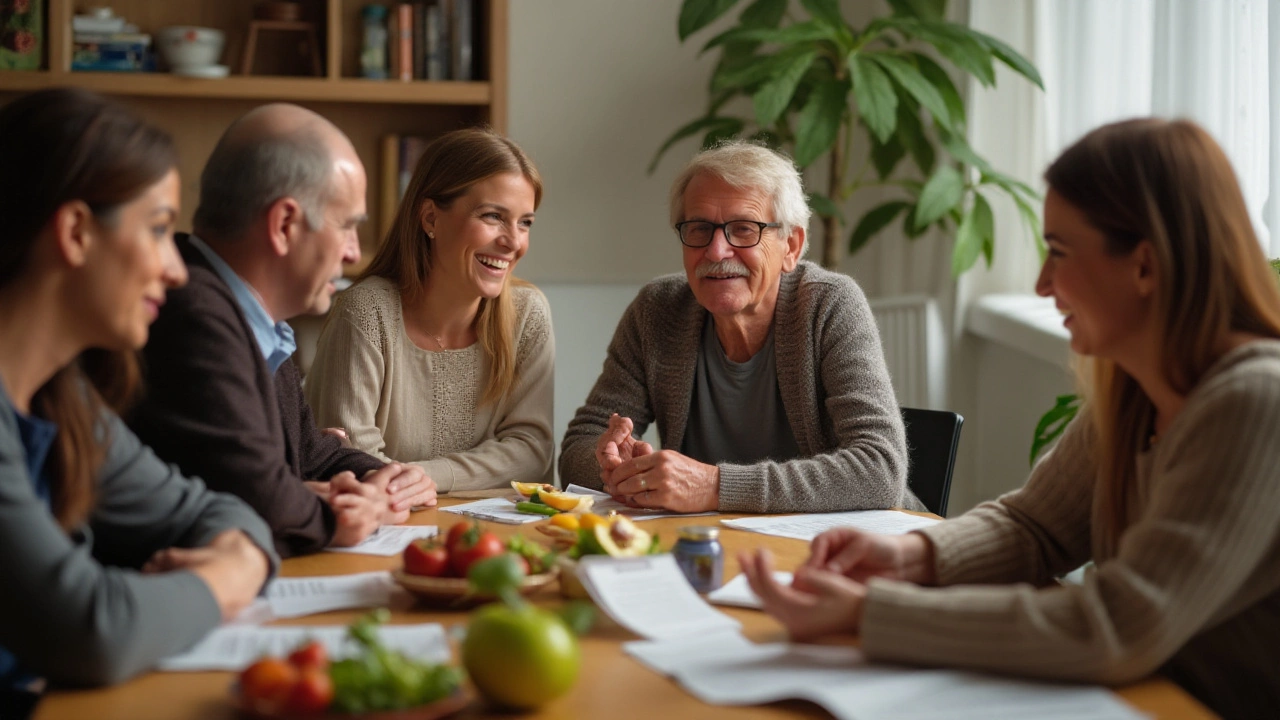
808,527
729,670
499,510
233,647
605,503
650,596
737,592
389,540
295,597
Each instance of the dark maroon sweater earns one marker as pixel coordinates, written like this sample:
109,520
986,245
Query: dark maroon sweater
212,408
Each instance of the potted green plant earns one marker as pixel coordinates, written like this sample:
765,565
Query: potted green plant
819,86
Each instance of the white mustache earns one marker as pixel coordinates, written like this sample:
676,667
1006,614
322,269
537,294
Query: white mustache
722,268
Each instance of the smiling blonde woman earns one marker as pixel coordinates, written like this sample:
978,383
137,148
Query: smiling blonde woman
439,356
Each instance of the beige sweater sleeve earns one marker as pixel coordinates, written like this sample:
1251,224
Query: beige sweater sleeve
347,376
1192,557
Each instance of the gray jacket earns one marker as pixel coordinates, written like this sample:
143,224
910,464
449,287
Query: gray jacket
74,608
835,390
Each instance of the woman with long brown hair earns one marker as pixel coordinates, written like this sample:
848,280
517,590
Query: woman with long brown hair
439,356
111,559
1167,480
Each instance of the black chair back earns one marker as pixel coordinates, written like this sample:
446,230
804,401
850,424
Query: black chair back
933,436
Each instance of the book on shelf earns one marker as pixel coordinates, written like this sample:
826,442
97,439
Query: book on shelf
461,29
112,52
432,40
399,157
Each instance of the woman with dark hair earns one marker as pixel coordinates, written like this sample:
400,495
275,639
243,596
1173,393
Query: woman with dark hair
439,356
1166,479
111,559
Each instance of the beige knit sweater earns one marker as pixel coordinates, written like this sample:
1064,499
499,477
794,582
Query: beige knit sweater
400,402
1193,587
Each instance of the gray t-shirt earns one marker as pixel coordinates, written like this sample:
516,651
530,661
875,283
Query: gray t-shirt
736,413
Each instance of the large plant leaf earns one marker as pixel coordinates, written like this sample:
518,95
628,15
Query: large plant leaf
909,227
775,95
757,68
827,11
976,230
924,9
939,78
1012,185
805,32
911,136
910,79
1054,423
873,91
1010,57
956,43
1032,221
697,14
825,206
873,222
820,119
942,192
960,150
886,156
763,13
690,129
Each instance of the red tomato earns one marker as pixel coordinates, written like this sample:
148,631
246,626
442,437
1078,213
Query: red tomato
268,681
310,655
311,694
474,547
425,557
456,532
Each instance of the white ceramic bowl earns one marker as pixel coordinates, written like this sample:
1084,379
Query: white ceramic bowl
185,46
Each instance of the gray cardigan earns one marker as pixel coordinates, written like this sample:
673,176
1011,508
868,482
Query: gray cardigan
831,373
75,608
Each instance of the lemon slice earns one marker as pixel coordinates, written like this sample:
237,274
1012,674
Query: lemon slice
528,489
567,502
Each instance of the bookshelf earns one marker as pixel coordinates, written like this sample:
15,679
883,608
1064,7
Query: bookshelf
196,111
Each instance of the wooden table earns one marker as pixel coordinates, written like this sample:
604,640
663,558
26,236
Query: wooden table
611,685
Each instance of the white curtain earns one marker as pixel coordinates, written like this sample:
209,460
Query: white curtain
1103,60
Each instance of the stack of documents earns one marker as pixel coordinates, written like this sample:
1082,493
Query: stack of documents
232,647
295,597
499,510
389,540
727,669
650,596
808,527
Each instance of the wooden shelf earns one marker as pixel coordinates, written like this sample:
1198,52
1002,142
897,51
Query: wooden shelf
346,90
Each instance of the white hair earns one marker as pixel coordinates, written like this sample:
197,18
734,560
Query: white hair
747,165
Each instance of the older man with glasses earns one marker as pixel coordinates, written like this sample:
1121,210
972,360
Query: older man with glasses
764,372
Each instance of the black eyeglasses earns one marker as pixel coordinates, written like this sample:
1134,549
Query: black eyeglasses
739,233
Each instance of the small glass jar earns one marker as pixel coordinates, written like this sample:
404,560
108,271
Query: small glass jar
700,557
373,56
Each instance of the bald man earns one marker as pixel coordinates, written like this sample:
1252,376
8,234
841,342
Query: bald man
280,200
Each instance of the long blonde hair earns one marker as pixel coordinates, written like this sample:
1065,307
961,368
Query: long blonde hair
449,166
1169,183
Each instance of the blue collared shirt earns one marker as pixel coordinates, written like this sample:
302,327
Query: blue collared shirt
275,339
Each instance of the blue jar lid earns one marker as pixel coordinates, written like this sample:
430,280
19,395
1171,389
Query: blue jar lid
698,533
374,11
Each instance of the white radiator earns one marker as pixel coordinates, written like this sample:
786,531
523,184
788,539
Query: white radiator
914,349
